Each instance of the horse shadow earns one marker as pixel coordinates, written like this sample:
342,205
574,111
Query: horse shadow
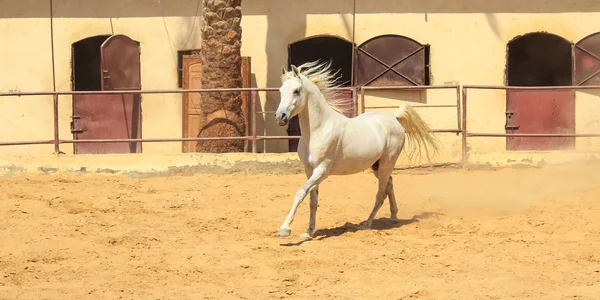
378,224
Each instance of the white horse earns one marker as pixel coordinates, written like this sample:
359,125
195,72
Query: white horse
332,144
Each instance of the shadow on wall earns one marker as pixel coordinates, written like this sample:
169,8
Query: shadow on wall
136,8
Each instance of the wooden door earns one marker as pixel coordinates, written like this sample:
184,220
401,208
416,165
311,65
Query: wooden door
111,116
192,79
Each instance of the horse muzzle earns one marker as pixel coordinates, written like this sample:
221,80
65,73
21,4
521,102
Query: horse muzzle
282,119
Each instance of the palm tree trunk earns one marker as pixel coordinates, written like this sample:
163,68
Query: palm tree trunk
221,68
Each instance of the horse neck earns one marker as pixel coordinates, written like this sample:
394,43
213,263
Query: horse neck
316,112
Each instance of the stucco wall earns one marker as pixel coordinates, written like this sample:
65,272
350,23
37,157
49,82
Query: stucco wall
468,46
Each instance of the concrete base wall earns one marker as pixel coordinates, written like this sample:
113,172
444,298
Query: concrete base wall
149,165
501,159
152,165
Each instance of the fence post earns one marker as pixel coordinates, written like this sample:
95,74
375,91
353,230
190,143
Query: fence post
355,101
464,127
56,141
458,106
362,100
253,109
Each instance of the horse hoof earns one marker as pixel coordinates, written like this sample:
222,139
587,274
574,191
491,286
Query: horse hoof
394,221
364,226
284,232
305,236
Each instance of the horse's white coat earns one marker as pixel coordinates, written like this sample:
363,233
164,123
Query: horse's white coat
332,144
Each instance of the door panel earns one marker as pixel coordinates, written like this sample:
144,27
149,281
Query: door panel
111,116
192,79
107,117
545,112
120,64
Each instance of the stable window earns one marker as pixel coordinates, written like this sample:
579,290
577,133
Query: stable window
587,61
392,60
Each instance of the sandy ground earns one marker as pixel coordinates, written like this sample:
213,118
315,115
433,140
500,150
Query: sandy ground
512,233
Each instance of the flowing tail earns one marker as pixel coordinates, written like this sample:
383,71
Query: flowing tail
418,132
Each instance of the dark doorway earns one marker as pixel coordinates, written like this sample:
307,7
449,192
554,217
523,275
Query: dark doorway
86,64
104,63
540,59
323,48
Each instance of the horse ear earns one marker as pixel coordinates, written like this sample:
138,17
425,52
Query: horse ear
283,71
296,72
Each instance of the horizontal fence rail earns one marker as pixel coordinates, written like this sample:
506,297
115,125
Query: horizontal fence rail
537,88
456,130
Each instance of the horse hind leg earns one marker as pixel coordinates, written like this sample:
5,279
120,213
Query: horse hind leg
393,206
383,173
389,193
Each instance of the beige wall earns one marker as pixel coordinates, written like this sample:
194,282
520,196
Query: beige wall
468,46
26,64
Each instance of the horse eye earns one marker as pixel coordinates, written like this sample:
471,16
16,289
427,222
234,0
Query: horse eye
296,92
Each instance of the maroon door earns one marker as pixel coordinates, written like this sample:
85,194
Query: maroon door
111,116
539,111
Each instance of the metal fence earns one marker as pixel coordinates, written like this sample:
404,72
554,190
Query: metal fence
466,134
253,137
456,130
461,113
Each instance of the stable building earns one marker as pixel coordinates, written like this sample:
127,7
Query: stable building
62,45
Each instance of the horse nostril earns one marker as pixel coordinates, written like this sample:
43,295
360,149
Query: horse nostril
283,116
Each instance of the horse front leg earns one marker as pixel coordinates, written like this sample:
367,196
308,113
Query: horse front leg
318,175
314,203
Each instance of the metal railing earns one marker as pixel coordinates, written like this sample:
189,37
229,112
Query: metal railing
456,130
466,134
253,138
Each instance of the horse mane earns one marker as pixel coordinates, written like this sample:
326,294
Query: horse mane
321,75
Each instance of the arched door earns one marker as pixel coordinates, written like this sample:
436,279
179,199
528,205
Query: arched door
324,48
540,59
115,116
